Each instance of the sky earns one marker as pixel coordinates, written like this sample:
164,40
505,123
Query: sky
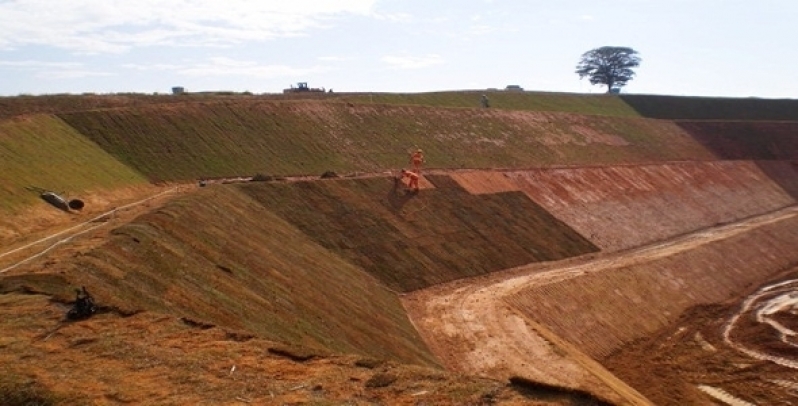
726,48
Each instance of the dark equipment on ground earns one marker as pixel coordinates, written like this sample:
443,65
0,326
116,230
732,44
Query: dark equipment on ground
76,204
84,306
302,87
57,200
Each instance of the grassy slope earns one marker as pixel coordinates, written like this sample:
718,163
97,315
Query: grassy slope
42,151
268,276
308,137
219,257
410,242
531,101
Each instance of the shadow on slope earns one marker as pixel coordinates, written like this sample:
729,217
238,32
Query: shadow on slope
712,108
746,139
763,142
553,393
412,242
784,173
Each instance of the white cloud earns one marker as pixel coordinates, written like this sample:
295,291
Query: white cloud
54,70
151,67
230,67
116,25
482,29
71,74
393,17
31,64
412,62
222,66
334,58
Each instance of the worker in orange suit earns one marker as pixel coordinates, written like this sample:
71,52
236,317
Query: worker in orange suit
416,159
412,177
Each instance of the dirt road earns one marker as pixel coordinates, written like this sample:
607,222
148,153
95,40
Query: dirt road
473,330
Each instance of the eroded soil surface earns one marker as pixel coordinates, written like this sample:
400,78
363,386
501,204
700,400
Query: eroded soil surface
732,352
117,357
741,353
150,358
472,329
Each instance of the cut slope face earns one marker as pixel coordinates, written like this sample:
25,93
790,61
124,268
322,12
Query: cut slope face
218,257
41,153
638,294
413,241
784,173
626,206
744,339
310,137
746,140
44,152
595,104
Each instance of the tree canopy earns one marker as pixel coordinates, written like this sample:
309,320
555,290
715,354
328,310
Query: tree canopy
611,66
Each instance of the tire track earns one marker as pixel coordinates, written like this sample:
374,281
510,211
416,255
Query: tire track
472,329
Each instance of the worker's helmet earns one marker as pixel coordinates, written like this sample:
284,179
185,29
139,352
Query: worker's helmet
419,150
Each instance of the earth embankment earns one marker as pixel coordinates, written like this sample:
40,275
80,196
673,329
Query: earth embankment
320,263
189,141
42,153
619,207
639,294
216,257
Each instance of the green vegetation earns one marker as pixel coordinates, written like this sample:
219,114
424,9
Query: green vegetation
609,66
508,100
317,264
219,257
211,140
43,152
308,138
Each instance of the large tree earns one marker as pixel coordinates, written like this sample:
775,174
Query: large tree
611,66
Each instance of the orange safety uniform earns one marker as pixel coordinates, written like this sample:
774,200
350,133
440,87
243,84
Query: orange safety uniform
413,179
416,159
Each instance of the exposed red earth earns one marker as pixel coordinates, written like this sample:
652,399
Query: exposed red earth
502,326
601,258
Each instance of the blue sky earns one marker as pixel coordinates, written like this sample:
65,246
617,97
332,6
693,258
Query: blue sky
731,48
